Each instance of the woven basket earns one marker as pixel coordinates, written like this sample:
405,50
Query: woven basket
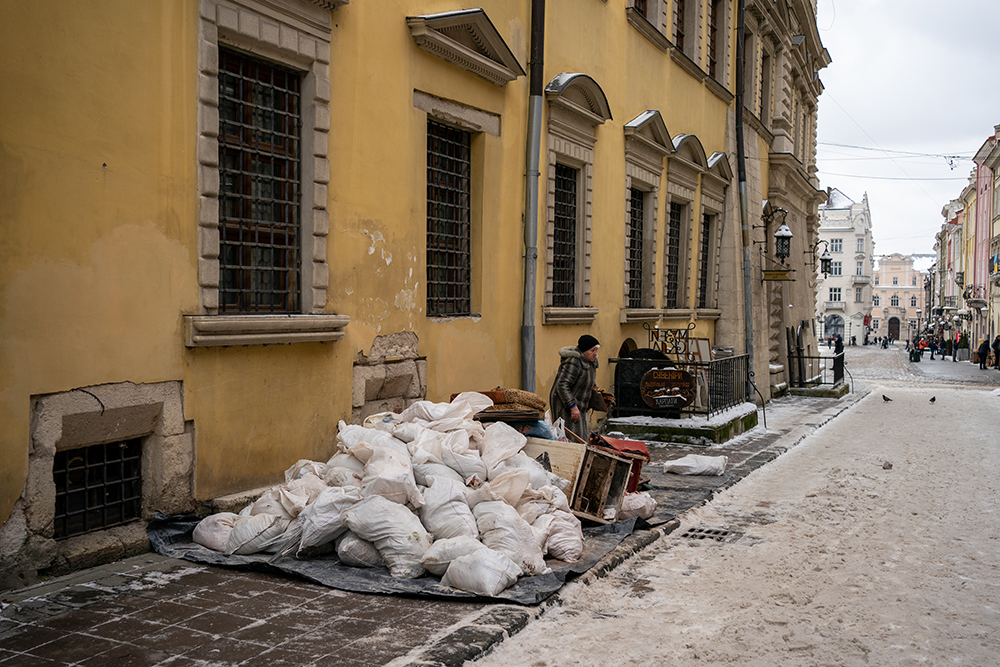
533,401
510,407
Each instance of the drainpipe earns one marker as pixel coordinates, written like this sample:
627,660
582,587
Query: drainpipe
534,142
741,170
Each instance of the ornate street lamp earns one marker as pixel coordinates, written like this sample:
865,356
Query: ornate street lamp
783,239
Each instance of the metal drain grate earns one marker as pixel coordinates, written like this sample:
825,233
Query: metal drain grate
717,534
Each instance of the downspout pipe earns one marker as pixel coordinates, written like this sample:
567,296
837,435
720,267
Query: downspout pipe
741,170
533,148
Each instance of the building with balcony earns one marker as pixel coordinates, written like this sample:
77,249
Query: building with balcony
844,295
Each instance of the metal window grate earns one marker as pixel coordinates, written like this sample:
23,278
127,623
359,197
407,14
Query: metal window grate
564,248
449,263
679,14
259,194
637,216
97,487
714,16
671,299
642,7
706,235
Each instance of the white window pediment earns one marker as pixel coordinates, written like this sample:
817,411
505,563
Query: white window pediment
647,140
579,95
468,39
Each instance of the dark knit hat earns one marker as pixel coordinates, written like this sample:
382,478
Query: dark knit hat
586,342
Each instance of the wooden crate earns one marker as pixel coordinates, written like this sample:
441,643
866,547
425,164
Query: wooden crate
602,481
566,458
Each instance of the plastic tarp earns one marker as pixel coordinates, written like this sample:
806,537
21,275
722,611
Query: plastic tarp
171,536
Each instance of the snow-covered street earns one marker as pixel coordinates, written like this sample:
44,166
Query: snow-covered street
873,542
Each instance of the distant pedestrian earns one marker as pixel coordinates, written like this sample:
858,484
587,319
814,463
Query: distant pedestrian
996,353
838,345
984,352
934,347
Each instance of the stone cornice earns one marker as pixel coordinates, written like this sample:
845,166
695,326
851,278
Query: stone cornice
484,52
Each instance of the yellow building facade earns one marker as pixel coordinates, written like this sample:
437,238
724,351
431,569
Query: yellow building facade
230,224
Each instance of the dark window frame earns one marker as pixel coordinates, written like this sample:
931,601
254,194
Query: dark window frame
565,236
636,250
97,487
675,227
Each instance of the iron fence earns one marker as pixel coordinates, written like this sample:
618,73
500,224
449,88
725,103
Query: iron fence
813,370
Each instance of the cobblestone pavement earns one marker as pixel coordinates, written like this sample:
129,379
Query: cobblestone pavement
156,611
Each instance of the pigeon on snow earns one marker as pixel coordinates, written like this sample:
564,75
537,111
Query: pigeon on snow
886,398
933,398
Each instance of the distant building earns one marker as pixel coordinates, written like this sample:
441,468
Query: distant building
844,296
897,297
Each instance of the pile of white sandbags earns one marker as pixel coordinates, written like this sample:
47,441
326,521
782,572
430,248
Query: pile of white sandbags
427,490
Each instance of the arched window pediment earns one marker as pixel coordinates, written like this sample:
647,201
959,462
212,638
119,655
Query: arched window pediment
580,94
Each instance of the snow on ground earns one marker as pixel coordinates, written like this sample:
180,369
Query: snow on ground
874,542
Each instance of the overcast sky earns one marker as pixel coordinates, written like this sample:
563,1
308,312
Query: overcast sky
907,75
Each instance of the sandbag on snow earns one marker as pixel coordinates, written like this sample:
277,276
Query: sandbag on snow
565,541
640,505
388,474
356,552
421,471
445,512
442,552
213,531
483,572
323,520
501,528
500,442
697,464
346,460
253,534
394,530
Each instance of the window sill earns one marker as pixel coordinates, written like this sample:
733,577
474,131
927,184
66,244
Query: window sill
648,30
708,314
222,330
552,315
676,313
630,315
719,90
690,66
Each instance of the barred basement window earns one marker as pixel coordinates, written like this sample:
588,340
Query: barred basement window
637,217
703,264
671,299
259,239
449,255
564,242
97,487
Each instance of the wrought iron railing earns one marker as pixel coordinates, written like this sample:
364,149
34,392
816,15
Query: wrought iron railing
814,370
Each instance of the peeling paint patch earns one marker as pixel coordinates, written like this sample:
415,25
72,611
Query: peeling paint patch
350,291
406,299
387,256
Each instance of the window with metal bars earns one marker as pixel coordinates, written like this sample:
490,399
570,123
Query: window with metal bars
679,16
704,276
564,248
641,6
259,194
714,18
671,299
97,487
637,217
449,255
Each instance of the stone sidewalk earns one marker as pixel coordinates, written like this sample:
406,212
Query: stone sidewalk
154,611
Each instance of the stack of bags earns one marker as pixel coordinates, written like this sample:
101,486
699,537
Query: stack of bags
427,490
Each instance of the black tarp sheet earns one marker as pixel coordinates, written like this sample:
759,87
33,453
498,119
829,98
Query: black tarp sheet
171,536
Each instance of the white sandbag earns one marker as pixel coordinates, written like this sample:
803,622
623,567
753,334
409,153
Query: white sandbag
428,445
388,473
303,466
213,531
356,552
445,512
483,572
280,501
501,528
540,527
349,436
500,442
421,471
251,534
289,537
548,498
308,485
464,406
407,432
508,487
323,520
565,541
382,421
697,464
641,505
334,476
345,460
468,464
539,475
442,552
394,530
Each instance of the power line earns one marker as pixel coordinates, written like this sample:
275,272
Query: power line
892,178
958,156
